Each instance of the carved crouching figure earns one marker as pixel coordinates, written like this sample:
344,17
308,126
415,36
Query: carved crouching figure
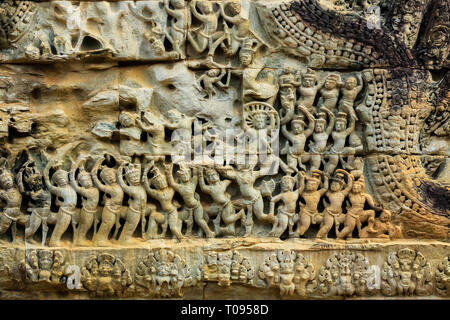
226,212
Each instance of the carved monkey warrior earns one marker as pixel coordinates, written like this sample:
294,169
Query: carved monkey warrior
222,202
39,206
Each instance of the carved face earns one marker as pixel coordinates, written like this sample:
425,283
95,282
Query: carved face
340,126
160,182
297,127
330,83
35,182
357,188
184,175
108,176
105,269
319,127
205,7
7,181
312,185
177,4
308,82
235,8
336,186
85,181
61,179
213,72
259,121
287,185
212,177
385,217
350,83
134,178
245,57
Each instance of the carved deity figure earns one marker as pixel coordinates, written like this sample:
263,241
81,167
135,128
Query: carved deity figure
287,82
155,137
356,214
137,202
286,212
329,93
234,36
320,138
207,32
312,194
381,227
163,193
84,186
40,200
193,208
113,201
297,137
217,190
13,200
252,200
178,28
349,92
332,213
339,135
308,90
210,79
66,200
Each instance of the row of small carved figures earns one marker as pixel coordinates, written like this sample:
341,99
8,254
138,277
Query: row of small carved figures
404,272
130,179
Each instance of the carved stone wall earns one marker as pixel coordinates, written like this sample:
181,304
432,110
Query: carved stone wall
224,149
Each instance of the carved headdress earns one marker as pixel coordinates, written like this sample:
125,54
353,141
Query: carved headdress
341,117
132,168
249,45
310,74
287,179
106,171
30,172
156,174
315,176
60,173
333,76
299,119
4,174
338,177
321,117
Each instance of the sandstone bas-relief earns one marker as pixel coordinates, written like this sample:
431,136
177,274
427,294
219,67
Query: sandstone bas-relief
283,123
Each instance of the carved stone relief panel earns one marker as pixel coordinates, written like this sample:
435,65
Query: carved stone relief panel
140,139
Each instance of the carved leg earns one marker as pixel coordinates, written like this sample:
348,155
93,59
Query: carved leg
33,225
86,220
325,227
198,214
349,226
130,226
61,226
108,220
303,225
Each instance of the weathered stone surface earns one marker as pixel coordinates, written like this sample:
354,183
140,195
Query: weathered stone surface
224,149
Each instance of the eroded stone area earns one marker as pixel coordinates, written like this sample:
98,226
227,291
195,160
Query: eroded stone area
206,149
